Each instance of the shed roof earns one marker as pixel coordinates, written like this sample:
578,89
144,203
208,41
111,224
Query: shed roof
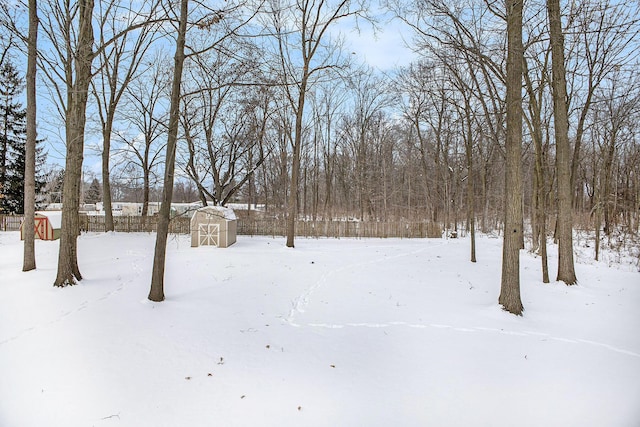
55,218
221,211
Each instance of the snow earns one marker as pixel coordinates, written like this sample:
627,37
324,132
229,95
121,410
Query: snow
219,211
379,332
55,218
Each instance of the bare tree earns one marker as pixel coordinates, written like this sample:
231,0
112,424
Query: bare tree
29,258
224,120
566,270
534,122
370,98
208,18
302,32
119,64
464,35
427,110
66,64
78,82
602,37
326,105
510,282
618,105
146,116
156,293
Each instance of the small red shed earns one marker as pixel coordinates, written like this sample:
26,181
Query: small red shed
47,225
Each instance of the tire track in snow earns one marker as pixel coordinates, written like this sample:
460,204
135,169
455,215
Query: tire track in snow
299,304
539,335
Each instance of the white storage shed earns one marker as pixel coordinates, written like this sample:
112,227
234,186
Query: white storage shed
213,225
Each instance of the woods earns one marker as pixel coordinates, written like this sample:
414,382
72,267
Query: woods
529,136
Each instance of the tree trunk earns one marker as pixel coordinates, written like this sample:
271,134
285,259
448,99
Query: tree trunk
606,190
597,221
145,192
566,271
510,283
541,210
28,227
68,271
471,213
292,207
539,222
106,180
156,293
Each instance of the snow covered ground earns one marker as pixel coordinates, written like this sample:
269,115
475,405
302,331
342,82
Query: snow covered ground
332,333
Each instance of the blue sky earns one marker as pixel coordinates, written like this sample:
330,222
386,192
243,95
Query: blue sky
383,49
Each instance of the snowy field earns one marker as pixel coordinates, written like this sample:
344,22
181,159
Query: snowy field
331,333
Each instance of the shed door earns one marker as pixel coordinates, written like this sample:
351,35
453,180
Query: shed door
208,234
41,228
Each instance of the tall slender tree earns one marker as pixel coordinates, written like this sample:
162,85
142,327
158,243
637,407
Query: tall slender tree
146,111
534,121
66,63
119,65
29,256
510,284
304,53
68,271
566,270
208,19
156,293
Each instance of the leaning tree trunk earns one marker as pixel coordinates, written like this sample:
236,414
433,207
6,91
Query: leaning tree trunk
566,270
29,257
156,293
510,284
68,272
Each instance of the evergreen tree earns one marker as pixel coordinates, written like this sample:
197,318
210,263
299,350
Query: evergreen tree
56,187
94,193
12,142
14,201
12,119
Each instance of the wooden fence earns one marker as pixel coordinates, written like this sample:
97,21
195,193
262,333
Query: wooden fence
260,227
134,224
338,229
10,222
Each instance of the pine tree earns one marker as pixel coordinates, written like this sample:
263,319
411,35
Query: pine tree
12,142
12,128
14,200
94,193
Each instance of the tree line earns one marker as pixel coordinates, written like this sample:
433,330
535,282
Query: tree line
523,113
